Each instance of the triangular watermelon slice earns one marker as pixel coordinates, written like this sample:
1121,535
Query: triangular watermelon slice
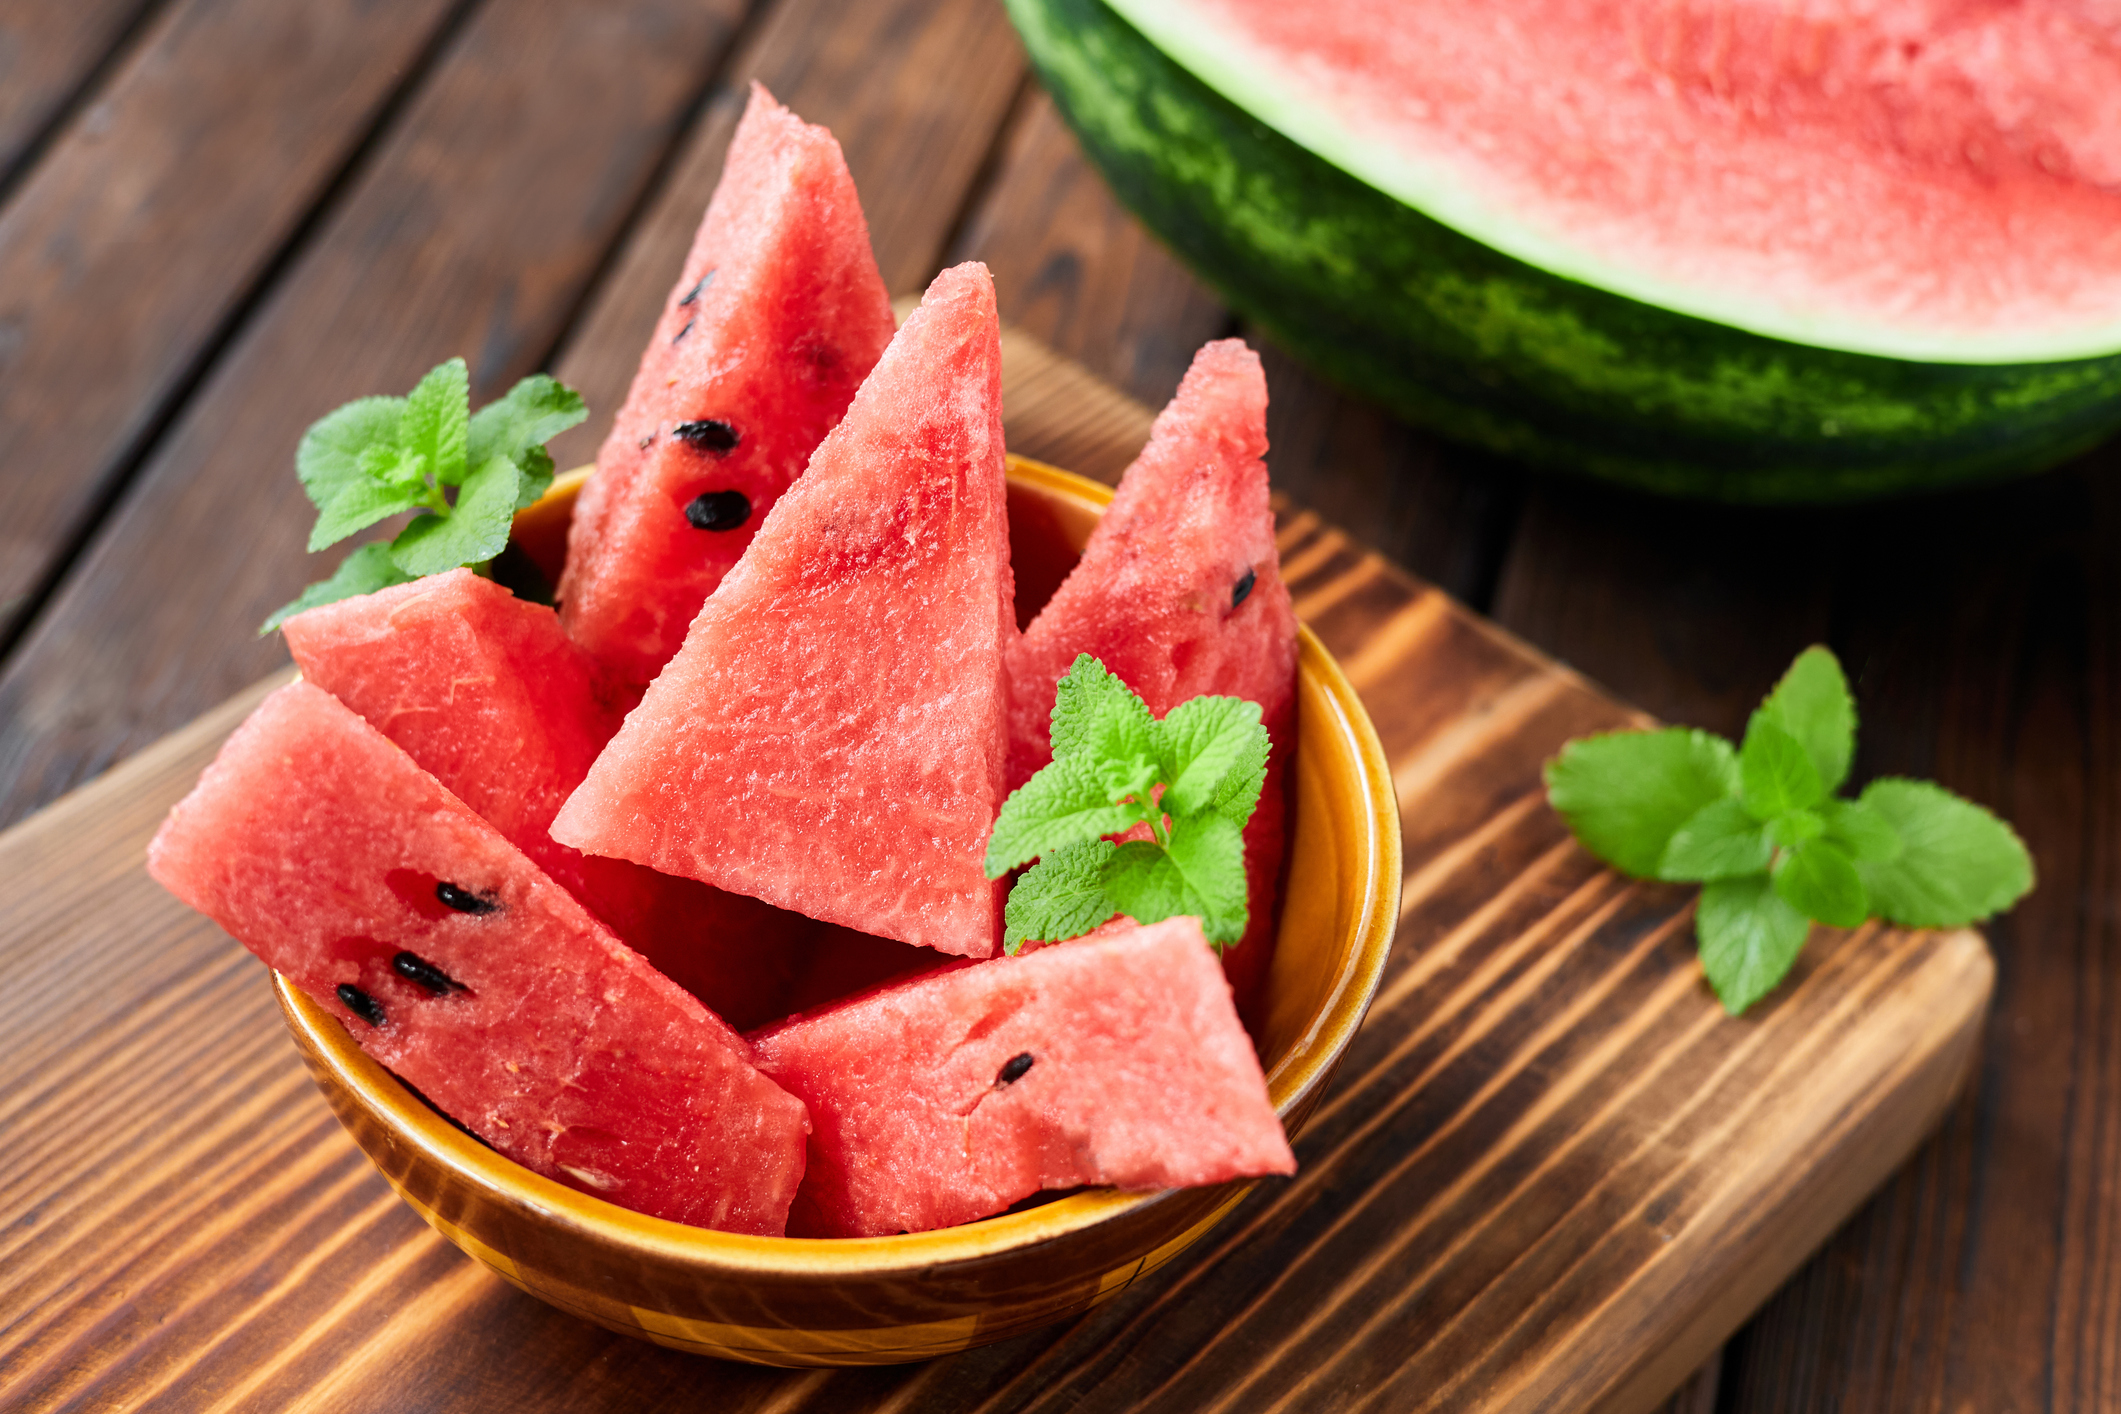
487,694
1179,593
454,961
1116,1060
777,316
830,737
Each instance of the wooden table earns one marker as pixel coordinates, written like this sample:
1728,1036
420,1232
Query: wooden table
218,218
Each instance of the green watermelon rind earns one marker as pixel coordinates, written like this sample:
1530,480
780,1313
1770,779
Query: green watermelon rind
1491,350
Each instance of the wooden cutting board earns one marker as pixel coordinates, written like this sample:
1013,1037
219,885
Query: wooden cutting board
1552,1174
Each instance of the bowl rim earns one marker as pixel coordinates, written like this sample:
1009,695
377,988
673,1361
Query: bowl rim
1291,1083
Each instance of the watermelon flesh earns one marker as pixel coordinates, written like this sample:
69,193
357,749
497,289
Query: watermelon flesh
1179,593
488,695
454,961
777,316
831,738
1112,1060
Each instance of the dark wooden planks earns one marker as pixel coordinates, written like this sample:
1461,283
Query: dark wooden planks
117,268
49,56
474,228
914,90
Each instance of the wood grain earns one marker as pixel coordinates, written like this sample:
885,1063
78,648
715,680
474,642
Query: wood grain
474,229
49,54
1551,1174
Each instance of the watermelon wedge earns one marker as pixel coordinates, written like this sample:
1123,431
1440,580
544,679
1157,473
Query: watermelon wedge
1112,1060
1179,593
777,317
454,961
830,737
489,696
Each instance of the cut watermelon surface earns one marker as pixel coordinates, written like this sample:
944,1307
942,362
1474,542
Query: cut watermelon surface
1111,1060
831,736
1179,593
488,695
454,961
777,316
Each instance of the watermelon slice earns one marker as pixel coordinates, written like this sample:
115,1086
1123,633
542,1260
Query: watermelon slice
487,694
1179,593
777,316
455,962
830,738
1113,1060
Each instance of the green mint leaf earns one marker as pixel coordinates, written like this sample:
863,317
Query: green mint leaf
391,482
1062,897
473,533
437,418
1749,938
1812,703
363,572
1212,747
1626,793
1098,716
1957,863
1209,852
1864,834
1064,804
1146,884
518,424
533,476
1795,828
329,457
1776,773
1819,881
1134,777
1719,841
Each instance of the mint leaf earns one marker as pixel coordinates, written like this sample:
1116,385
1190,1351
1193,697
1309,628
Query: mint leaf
1749,938
1064,804
1097,715
1819,881
1776,772
1795,828
1212,745
517,426
383,492
1209,852
1626,793
329,457
437,417
1146,884
1864,834
1957,862
363,572
1062,897
1719,841
472,533
1812,703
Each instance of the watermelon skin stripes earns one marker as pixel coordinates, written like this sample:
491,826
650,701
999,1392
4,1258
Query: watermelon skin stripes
831,737
926,1113
1503,353
777,316
320,846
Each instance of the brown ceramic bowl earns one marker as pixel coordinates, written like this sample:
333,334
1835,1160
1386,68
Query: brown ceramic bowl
863,1301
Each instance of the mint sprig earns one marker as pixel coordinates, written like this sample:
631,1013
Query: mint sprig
1193,779
1773,847
466,476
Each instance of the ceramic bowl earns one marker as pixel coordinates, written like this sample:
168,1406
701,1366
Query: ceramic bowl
791,1301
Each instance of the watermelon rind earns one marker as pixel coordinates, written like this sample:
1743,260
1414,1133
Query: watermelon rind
1503,352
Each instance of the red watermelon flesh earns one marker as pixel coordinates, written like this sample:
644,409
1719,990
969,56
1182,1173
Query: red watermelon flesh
926,1113
1179,593
777,316
831,737
454,961
487,694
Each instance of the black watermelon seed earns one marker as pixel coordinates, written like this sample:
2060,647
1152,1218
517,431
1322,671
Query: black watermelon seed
464,900
1014,1070
694,293
684,331
360,1004
1244,587
709,434
718,510
414,968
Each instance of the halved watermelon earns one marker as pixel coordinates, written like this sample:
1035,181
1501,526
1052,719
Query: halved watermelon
777,316
830,738
1179,593
487,694
1112,1060
454,961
